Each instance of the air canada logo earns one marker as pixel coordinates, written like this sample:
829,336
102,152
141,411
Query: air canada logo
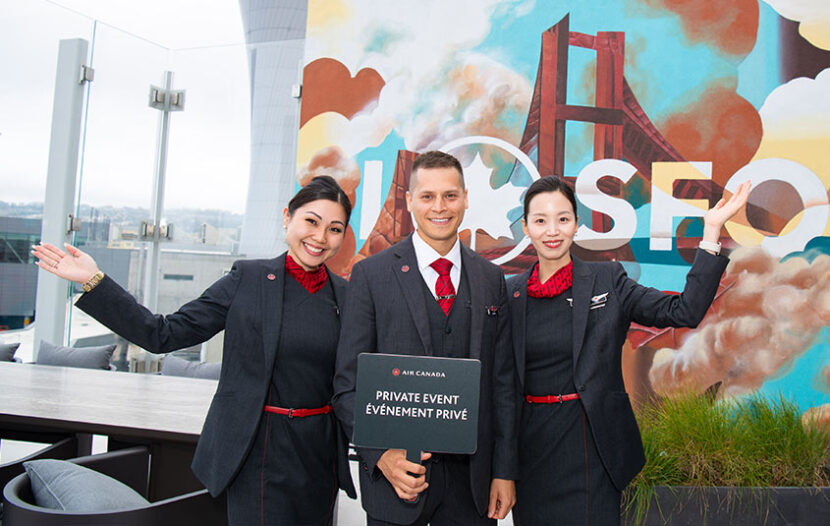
396,372
433,374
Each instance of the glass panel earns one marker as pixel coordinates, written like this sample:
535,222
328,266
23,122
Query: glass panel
208,155
29,35
117,168
207,177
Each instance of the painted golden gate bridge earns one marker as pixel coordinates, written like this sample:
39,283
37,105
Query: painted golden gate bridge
622,130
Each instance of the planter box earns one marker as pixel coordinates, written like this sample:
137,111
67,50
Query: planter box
733,506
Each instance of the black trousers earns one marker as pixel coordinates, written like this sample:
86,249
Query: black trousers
449,500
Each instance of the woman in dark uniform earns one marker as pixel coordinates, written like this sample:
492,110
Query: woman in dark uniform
579,444
270,437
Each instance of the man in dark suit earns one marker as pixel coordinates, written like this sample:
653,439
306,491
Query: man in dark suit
429,295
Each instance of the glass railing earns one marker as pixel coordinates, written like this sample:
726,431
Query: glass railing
207,167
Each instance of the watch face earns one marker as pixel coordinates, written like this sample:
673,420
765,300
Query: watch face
708,245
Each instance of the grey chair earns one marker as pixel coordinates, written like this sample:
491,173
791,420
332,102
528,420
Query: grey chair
63,447
129,466
7,351
175,366
83,357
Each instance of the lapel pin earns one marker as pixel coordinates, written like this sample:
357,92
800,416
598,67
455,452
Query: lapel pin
600,298
271,277
405,268
517,294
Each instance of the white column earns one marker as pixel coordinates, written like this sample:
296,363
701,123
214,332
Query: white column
151,272
52,292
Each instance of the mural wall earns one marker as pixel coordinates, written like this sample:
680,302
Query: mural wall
653,109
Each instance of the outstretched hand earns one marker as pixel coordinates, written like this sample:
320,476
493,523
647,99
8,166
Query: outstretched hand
724,209
73,265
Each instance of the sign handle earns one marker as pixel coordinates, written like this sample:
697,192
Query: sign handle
413,455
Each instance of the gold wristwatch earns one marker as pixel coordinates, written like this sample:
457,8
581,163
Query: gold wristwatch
93,281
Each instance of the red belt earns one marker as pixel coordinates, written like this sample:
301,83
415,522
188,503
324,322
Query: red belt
551,399
299,413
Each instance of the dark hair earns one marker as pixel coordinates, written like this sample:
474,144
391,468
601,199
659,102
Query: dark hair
550,183
321,187
435,159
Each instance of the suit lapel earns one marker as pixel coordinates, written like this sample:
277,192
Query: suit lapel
475,275
405,268
518,315
583,284
272,286
339,290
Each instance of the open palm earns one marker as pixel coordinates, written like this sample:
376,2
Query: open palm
723,211
76,265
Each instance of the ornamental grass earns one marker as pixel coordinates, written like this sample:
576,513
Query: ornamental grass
689,440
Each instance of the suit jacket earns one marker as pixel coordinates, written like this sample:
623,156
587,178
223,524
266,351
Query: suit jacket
605,302
385,311
248,305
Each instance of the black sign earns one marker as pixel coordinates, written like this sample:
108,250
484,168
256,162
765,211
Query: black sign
417,403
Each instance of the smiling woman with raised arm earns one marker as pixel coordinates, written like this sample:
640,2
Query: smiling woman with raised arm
270,437
579,445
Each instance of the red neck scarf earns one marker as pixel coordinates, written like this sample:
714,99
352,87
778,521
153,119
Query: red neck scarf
561,281
311,280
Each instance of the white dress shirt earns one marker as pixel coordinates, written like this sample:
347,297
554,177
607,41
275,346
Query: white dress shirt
426,255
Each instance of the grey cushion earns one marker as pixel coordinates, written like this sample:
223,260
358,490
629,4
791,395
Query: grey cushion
85,357
175,366
7,351
62,485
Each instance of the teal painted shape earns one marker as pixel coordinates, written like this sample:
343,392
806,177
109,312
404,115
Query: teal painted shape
815,247
760,72
800,381
664,69
386,152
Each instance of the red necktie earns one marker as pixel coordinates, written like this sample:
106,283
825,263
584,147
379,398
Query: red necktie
444,289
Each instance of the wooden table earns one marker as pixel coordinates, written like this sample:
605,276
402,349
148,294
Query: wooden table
164,412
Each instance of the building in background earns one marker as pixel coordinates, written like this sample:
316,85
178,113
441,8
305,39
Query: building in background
275,35
18,274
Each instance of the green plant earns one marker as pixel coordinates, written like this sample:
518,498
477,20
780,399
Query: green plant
751,442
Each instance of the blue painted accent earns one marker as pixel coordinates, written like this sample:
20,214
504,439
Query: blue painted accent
387,152
799,382
666,70
760,72
815,247
381,39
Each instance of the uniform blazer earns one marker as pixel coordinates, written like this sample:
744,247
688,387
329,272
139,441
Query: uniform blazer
247,303
385,312
605,302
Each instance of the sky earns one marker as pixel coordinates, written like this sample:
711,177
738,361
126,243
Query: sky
201,41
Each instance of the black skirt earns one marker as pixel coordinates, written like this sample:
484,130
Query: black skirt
562,478
289,476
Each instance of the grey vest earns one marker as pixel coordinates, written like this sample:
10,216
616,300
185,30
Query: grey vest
450,335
